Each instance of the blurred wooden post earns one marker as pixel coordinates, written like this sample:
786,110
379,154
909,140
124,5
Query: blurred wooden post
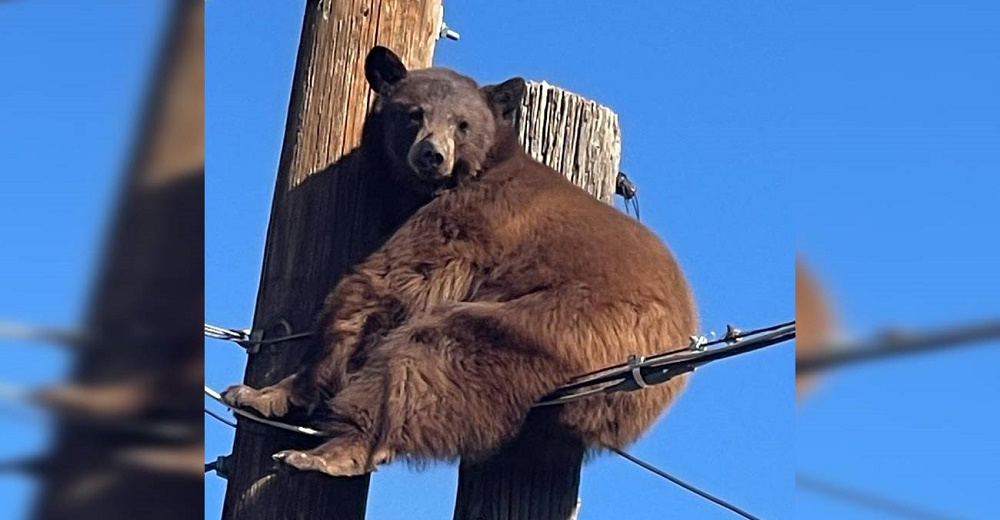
321,223
537,477
141,361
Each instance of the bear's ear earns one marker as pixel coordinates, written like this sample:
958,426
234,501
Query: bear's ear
504,99
383,69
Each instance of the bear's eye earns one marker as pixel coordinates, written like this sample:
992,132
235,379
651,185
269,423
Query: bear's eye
415,116
463,126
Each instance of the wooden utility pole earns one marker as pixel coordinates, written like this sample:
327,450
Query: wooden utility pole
322,222
128,443
537,477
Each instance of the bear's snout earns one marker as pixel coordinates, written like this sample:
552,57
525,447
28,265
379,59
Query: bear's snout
431,157
428,156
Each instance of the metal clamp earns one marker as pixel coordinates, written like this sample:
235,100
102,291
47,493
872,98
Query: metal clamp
633,363
221,466
624,186
257,335
447,32
733,335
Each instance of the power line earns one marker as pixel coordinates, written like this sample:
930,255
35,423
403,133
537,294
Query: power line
894,344
40,333
865,499
631,376
242,337
703,494
170,431
214,466
279,339
883,346
223,333
220,418
256,418
635,374
640,373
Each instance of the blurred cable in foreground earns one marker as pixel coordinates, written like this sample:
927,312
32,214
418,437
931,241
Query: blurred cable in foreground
896,343
884,506
818,348
129,431
822,349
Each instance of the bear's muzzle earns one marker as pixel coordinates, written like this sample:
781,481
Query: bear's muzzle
432,157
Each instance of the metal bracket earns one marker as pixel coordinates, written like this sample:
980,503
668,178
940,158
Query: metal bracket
256,335
253,345
633,363
624,186
221,466
733,335
446,32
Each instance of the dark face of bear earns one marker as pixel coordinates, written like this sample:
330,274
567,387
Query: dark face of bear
437,126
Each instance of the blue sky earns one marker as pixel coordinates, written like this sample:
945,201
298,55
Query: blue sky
894,148
864,135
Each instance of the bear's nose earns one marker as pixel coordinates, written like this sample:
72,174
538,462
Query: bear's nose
430,156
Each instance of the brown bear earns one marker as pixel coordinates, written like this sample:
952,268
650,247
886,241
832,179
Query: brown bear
505,284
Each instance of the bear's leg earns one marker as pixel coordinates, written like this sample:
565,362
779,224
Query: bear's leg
352,419
270,401
439,387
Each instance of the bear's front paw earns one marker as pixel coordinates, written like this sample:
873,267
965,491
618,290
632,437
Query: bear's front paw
269,401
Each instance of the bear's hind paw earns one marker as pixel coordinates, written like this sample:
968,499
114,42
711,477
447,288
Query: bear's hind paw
333,466
349,462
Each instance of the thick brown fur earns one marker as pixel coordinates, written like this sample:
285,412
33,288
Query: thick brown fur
508,282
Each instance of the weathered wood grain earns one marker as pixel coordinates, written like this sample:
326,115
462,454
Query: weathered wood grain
573,135
321,223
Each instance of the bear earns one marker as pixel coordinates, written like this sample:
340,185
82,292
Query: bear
506,282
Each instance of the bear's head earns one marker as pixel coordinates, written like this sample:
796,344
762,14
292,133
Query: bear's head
437,127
